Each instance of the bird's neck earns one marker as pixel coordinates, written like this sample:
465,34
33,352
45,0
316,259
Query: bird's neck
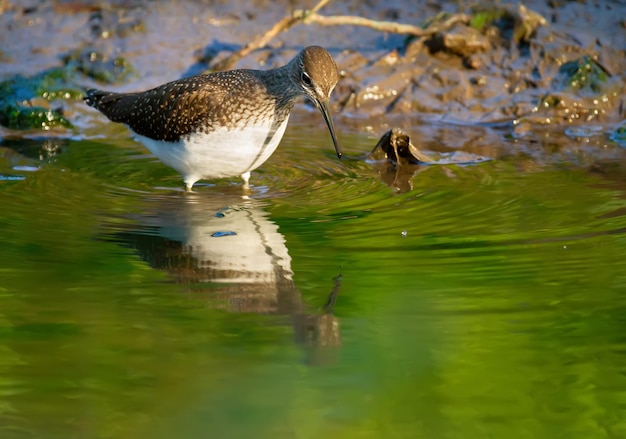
280,82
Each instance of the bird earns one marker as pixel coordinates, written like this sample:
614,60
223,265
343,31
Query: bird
223,124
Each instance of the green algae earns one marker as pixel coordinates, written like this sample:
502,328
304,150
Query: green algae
584,74
518,24
36,102
19,117
23,100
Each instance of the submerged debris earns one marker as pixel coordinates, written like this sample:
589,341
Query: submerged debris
397,160
396,146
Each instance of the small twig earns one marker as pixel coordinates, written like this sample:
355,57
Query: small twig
383,26
318,6
387,26
262,40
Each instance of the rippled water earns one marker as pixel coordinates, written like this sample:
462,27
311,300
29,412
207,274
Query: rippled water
336,299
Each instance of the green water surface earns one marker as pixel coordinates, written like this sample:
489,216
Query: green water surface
485,302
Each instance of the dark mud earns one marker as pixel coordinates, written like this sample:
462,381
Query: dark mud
557,65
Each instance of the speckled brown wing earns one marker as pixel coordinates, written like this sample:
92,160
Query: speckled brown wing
171,110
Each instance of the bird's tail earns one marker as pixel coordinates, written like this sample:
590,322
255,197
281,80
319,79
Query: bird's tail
94,97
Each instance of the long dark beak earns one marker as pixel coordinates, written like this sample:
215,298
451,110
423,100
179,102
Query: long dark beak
323,106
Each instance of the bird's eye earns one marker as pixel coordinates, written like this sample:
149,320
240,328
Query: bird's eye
306,79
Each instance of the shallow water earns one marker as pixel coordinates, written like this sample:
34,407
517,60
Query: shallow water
335,299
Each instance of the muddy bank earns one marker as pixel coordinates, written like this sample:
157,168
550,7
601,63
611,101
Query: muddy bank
557,64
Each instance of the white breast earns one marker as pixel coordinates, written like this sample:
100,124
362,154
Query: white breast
220,153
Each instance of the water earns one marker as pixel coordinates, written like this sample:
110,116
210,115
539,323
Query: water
336,300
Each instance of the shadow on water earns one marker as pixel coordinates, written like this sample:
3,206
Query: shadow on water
226,249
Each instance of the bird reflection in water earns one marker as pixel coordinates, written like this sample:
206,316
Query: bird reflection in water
231,243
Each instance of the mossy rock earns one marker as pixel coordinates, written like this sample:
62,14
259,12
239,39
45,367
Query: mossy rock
16,94
27,118
99,66
583,74
483,18
56,83
517,24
